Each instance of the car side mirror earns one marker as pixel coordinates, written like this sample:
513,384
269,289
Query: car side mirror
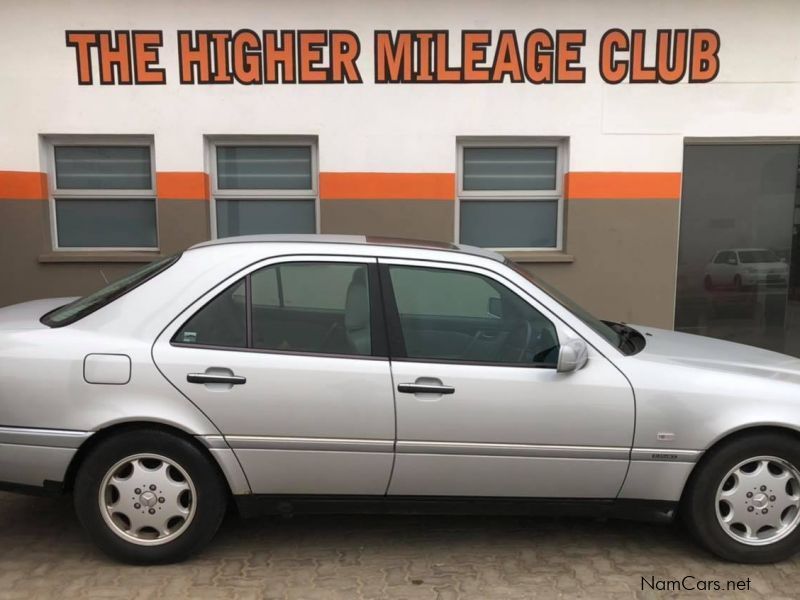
572,356
495,308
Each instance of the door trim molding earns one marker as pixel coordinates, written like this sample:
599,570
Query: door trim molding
255,442
525,450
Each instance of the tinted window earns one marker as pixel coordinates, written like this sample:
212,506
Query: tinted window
221,322
461,316
296,307
758,256
312,307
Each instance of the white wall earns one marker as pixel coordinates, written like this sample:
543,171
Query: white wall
405,128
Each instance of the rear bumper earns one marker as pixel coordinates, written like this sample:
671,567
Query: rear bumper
36,460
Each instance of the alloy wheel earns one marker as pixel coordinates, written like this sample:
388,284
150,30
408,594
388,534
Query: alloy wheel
147,499
758,500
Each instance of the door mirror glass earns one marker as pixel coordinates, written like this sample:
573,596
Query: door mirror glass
572,356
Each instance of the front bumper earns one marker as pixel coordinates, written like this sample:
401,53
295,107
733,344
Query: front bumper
752,279
36,458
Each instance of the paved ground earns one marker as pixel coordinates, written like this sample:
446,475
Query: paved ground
43,554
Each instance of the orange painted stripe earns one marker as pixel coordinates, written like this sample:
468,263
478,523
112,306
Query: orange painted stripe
628,186
387,186
181,185
23,185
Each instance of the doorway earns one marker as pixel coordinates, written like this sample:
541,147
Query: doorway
740,216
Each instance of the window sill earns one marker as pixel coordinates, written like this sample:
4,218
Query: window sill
537,256
95,256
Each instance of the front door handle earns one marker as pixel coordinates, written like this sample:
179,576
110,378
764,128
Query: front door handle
215,378
425,388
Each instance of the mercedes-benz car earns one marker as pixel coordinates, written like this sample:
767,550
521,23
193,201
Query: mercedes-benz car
286,374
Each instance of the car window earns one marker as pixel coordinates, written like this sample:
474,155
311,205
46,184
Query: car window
758,256
222,322
462,316
298,307
721,258
312,307
76,310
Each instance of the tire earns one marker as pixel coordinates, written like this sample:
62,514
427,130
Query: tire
186,502
716,505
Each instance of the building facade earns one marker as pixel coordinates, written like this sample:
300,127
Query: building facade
641,156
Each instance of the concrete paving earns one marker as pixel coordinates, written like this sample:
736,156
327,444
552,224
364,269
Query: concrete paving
44,554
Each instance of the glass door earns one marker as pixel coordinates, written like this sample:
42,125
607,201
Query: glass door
739,222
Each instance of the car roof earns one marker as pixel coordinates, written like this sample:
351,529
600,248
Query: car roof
360,240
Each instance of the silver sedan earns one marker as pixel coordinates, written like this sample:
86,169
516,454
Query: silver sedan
331,373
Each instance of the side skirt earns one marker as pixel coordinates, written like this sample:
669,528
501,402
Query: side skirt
253,505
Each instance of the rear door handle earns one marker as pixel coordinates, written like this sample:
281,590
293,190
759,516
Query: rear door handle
215,378
424,388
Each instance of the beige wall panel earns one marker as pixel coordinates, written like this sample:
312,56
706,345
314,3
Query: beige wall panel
625,259
415,219
25,239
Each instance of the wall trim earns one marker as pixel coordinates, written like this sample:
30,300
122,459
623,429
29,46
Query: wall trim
387,186
23,185
585,185
182,185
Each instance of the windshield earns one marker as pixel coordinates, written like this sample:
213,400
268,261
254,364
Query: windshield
69,313
758,256
599,327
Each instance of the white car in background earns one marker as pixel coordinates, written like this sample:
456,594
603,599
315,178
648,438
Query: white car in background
746,267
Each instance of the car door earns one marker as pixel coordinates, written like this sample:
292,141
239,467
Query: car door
481,409
289,361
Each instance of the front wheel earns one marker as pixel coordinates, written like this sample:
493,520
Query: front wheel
149,497
743,503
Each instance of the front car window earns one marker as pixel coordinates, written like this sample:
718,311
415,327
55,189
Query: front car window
78,309
611,334
461,316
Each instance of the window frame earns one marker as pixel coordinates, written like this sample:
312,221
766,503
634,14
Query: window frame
55,193
379,344
394,330
214,141
556,194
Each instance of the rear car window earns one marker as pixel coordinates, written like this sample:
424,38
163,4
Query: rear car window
76,310
307,307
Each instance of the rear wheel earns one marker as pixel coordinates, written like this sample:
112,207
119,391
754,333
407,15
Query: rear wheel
149,497
744,500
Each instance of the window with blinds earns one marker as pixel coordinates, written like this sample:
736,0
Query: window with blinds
104,196
264,188
510,195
